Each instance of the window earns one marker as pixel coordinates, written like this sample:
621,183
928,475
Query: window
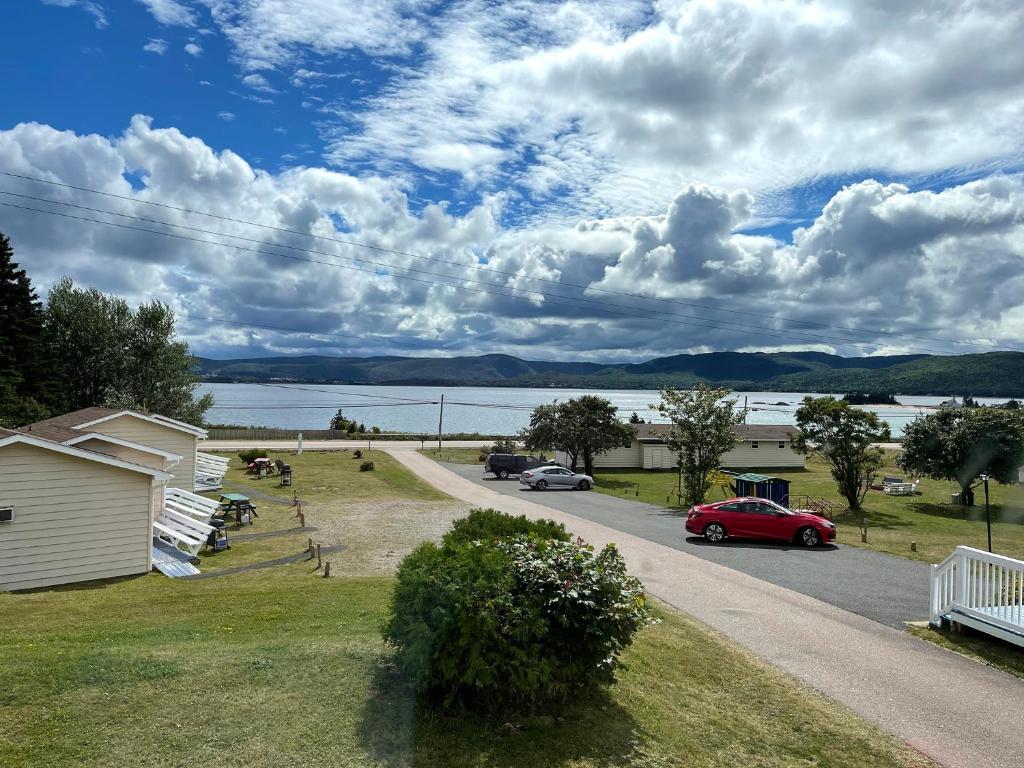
753,443
735,507
6,514
782,443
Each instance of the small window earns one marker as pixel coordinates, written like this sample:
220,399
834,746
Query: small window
6,514
753,443
782,443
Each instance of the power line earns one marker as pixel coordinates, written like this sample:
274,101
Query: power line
382,249
712,323
613,308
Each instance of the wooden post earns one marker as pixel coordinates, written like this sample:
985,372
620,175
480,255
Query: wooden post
327,570
309,546
319,562
302,519
913,546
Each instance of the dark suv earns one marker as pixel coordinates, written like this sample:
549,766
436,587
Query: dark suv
505,464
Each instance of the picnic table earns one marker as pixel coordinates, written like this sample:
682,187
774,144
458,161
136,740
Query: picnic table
238,503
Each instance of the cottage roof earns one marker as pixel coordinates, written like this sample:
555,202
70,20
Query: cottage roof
10,436
70,425
658,432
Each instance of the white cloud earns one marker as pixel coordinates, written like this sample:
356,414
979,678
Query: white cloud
194,49
205,82
92,8
226,116
945,265
171,12
156,45
258,83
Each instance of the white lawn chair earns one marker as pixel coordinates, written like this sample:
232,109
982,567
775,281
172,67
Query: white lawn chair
182,531
192,504
210,470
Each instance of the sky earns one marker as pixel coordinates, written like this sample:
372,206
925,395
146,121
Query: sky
607,180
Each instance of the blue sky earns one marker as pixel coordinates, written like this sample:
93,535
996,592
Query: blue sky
708,154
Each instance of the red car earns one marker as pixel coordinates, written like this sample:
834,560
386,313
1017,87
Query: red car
750,518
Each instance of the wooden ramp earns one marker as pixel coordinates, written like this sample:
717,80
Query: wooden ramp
171,561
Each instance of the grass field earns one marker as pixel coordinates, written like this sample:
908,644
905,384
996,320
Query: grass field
283,667
454,455
983,648
893,521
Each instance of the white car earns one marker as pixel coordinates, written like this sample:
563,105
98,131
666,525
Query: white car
542,478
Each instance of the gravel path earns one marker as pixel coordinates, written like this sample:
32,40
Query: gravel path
889,589
957,711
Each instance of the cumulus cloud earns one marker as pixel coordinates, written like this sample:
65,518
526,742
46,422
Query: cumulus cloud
156,45
258,83
194,49
171,12
923,269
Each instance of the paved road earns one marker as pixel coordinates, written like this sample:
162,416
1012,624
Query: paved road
957,711
891,590
336,445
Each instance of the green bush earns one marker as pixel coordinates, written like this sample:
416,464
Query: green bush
250,455
366,466
511,622
489,524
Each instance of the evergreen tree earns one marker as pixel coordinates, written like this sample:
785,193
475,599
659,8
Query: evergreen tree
24,381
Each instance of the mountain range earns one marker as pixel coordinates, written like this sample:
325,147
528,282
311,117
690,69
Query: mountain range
991,374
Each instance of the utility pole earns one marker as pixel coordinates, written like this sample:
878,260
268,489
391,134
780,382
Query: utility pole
988,518
440,419
744,409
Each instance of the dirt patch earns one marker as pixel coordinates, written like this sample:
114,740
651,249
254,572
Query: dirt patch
378,534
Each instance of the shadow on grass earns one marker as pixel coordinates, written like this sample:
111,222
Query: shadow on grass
397,732
875,519
999,513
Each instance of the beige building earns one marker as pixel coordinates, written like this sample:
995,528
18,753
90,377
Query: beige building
130,434
759,446
73,513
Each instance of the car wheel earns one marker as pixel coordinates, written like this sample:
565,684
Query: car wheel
714,532
583,485
809,537
542,485
503,474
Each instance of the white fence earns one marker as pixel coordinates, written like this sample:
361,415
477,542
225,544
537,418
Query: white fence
978,585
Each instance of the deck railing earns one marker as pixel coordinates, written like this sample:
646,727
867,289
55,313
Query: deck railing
981,585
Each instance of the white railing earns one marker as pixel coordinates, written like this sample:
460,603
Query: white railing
979,584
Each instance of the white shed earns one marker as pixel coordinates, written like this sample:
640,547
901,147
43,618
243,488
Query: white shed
69,514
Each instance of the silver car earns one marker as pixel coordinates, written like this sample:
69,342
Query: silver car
542,478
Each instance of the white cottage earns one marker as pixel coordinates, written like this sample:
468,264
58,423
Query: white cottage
134,435
759,446
69,513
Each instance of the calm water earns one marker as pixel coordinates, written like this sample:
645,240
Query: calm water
488,410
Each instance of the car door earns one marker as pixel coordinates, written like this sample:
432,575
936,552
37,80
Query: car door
761,520
563,477
731,516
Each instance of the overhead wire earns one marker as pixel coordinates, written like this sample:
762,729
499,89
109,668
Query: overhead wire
482,267
612,308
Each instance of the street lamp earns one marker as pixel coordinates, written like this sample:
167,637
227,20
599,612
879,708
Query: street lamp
988,518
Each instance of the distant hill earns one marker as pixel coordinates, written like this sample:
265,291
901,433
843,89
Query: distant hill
992,374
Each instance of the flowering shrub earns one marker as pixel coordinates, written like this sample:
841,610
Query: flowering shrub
516,621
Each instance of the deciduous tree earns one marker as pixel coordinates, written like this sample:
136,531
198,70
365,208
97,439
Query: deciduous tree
581,427
703,430
842,436
960,444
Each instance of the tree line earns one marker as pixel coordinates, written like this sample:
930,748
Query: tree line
84,348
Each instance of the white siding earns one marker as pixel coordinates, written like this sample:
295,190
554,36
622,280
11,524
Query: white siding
766,455
617,457
74,519
660,456
136,430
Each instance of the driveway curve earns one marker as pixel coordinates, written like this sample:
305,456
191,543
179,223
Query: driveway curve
955,710
885,588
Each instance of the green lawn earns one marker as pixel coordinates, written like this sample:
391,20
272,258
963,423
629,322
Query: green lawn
978,646
893,521
454,455
283,667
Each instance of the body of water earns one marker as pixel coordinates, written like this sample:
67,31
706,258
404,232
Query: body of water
487,410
